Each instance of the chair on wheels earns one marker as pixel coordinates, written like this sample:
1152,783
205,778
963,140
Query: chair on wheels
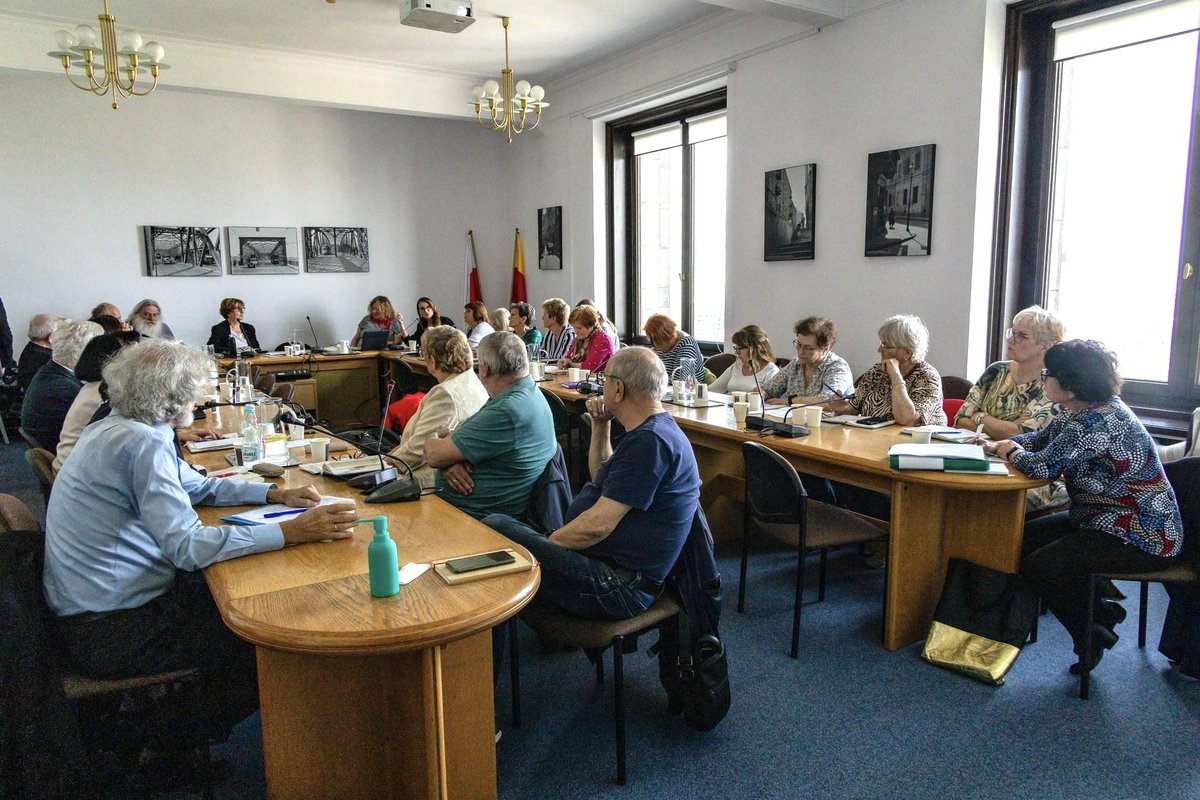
1184,476
776,497
42,462
595,635
265,383
719,363
28,437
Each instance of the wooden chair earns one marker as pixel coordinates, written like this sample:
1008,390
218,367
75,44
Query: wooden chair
42,462
955,387
595,635
28,437
1184,476
775,497
719,363
15,515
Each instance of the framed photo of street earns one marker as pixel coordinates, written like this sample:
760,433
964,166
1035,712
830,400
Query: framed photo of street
790,214
900,202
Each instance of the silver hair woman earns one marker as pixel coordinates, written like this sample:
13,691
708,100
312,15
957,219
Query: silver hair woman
156,382
69,338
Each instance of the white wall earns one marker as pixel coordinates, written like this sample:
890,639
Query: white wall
908,73
77,180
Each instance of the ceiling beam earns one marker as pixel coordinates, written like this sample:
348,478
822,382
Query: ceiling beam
817,13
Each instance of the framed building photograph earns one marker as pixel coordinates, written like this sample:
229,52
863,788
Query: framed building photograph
336,250
182,252
263,251
550,238
790,214
900,201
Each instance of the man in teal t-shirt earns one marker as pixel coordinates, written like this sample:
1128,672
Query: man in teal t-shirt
491,461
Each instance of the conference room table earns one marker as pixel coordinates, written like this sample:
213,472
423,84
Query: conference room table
934,515
345,386
361,696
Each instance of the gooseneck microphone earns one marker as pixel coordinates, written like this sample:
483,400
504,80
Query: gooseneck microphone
760,423
386,474
316,344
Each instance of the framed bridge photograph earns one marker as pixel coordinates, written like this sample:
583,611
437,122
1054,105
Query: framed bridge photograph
263,251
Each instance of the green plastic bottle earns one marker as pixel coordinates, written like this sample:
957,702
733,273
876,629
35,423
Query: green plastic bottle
381,559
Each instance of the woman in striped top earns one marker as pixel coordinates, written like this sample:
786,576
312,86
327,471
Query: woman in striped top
559,335
673,346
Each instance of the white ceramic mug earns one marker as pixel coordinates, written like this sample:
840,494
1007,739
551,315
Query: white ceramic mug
740,410
812,417
319,448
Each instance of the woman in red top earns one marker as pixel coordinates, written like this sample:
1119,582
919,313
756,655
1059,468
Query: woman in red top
593,347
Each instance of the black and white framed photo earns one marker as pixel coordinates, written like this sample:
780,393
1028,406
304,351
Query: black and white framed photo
550,238
182,252
263,251
900,201
790,214
336,250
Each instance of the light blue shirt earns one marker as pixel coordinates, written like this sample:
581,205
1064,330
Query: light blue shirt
120,520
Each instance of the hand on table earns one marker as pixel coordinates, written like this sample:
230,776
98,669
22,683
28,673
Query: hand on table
333,521
195,434
458,477
302,497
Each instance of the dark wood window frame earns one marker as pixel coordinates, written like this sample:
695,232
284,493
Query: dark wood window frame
621,218
1028,116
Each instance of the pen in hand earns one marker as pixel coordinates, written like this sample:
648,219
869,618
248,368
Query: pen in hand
838,394
274,514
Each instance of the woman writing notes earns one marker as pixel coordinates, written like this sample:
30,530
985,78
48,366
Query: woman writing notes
592,347
754,366
816,373
380,317
233,336
1009,398
1123,518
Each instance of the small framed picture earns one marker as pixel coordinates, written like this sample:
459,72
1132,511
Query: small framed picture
336,250
900,201
263,251
550,238
790,214
182,252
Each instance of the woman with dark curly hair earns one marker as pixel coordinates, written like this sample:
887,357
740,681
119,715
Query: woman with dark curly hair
1123,517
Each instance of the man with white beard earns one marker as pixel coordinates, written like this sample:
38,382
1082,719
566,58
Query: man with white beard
146,319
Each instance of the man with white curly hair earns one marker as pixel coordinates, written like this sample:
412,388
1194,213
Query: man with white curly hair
123,543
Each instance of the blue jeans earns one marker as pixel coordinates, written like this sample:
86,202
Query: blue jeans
575,582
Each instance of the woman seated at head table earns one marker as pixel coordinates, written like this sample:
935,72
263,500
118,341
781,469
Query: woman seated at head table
592,347
427,317
1124,517
605,324
673,346
87,369
753,366
380,317
1009,398
457,395
475,315
499,319
816,374
232,336
901,386
521,316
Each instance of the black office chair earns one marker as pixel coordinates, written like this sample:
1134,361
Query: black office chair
776,498
1184,476
719,363
562,427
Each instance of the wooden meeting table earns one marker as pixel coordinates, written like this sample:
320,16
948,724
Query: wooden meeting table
935,515
371,697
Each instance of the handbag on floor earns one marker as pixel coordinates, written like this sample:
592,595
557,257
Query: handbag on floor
982,620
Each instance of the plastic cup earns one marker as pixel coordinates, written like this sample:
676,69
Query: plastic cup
738,397
740,410
576,374
812,417
676,391
295,432
319,448
922,435
755,400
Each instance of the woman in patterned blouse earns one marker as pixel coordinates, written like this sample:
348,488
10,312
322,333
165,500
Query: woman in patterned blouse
901,386
816,373
1123,516
1009,399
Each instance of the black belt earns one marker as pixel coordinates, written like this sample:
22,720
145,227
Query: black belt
84,618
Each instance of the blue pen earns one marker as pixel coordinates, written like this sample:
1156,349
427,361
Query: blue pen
275,514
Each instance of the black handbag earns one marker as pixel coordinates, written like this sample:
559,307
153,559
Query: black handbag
695,673
982,620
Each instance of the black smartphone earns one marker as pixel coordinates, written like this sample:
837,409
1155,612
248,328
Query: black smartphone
873,420
481,561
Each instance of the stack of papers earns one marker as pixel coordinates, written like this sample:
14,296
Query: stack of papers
207,445
956,435
953,457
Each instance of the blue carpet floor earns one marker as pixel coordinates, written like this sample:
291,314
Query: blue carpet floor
847,719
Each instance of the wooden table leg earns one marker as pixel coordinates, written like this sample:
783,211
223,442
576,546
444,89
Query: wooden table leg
363,727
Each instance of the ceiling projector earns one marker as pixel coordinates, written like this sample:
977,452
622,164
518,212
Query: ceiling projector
447,16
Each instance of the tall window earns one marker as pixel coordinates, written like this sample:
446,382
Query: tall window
668,222
1103,191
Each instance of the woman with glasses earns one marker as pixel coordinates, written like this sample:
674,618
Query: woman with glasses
233,336
1009,398
427,317
1123,519
754,366
901,386
816,374
592,347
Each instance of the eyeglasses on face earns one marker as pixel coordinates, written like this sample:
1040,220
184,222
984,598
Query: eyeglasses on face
1014,335
805,348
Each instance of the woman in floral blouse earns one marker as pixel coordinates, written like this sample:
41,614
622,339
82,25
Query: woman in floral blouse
816,373
1123,517
1009,399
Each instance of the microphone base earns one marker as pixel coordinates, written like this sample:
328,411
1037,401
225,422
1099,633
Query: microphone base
759,423
373,480
789,430
402,490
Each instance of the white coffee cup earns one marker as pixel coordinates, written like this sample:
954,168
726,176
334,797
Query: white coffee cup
225,389
922,435
755,400
343,346
740,410
295,432
537,370
676,391
812,417
319,448
575,374
738,397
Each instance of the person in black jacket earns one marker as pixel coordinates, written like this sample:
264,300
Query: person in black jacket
54,387
233,336
37,349
427,317
6,340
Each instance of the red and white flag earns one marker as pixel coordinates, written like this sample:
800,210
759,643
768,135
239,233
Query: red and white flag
473,287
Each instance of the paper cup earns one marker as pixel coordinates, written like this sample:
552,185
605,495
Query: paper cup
740,410
755,400
922,435
812,417
738,397
576,374
226,392
319,448
295,433
701,391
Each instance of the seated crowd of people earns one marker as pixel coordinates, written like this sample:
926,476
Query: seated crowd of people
124,590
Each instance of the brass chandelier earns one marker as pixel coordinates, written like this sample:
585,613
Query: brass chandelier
508,105
122,59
